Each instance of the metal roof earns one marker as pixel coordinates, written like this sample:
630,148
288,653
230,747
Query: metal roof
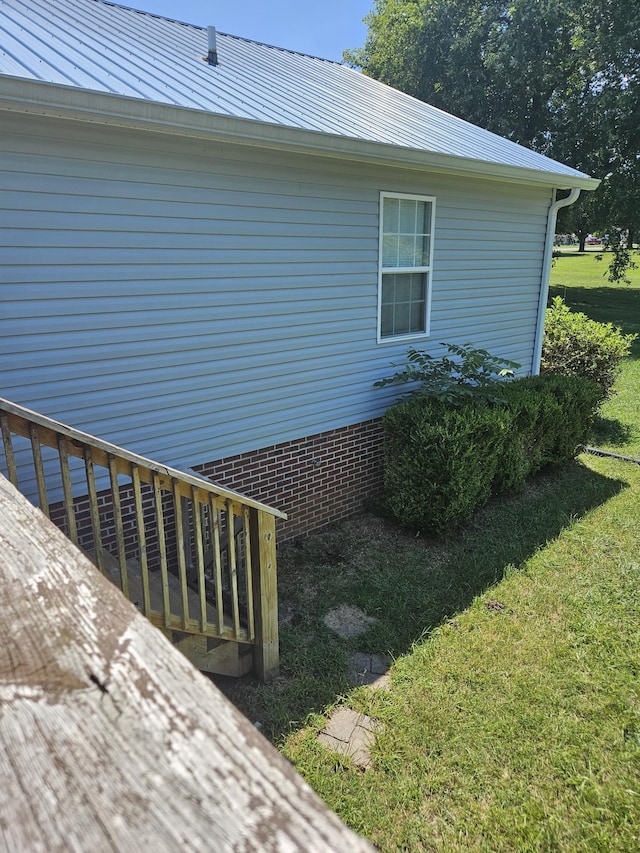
100,47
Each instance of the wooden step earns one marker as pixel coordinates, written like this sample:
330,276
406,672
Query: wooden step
207,654
134,576
216,656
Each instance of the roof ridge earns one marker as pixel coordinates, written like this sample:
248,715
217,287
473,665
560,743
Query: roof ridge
149,14
220,33
283,49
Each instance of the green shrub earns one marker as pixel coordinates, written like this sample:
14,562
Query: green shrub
575,345
551,417
442,462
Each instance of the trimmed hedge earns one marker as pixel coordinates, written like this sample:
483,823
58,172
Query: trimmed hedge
443,462
575,345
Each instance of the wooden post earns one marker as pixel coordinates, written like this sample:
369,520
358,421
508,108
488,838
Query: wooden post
111,740
142,538
265,594
39,469
9,455
94,512
72,527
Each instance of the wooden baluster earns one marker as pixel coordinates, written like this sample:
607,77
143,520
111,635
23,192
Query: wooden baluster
249,579
39,469
117,515
197,532
93,507
182,563
9,455
162,548
217,561
66,489
233,570
142,538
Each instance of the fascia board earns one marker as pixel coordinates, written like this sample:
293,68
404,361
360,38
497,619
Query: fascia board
49,99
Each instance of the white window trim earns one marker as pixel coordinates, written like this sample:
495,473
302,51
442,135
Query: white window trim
393,339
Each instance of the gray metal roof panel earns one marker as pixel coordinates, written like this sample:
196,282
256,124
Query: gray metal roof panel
99,46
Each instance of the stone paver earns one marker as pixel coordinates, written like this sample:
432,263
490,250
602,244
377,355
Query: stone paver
351,734
372,670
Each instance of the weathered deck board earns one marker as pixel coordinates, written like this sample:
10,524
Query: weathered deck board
109,738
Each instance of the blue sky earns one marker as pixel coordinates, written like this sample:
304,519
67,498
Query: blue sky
322,28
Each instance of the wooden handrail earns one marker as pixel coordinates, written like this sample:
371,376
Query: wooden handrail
214,548
49,430
110,738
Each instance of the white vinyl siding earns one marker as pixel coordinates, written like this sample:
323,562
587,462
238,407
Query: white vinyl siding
404,277
191,300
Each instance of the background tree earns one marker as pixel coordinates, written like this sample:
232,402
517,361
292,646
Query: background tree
559,76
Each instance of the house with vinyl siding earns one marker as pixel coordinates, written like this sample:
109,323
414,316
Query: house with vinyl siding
211,248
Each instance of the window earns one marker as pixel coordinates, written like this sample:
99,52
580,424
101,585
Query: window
406,251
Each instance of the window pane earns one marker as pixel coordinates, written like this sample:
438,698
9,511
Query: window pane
388,289
406,250
407,216
417,317
424,217
391,207
403,288
422,250
386,321
406,238
418,281
389,250
402,324
403,304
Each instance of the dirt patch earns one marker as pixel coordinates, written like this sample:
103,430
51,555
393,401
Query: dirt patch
348,621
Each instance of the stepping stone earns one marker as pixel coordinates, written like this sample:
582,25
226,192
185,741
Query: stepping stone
350,734
348,621
371,670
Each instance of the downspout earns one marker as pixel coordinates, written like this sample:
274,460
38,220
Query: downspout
546,270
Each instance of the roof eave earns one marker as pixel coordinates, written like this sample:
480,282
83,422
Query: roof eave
53,100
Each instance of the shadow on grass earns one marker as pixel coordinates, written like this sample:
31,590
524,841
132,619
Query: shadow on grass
409,583
610,431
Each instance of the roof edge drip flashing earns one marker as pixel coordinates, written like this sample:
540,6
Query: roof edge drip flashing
66,102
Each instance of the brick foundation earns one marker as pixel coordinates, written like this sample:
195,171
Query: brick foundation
315,480
86,539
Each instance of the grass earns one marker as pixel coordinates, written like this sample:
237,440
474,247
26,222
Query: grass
579,279
513,719
515,724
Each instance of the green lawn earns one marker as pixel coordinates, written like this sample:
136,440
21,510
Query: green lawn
513,722
513,719
579,280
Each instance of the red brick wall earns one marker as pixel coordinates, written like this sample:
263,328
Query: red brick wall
86,538
315,480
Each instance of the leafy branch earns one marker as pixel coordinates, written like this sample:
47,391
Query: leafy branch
464,372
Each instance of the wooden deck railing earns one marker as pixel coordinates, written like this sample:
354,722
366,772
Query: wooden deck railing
110,740
195,558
